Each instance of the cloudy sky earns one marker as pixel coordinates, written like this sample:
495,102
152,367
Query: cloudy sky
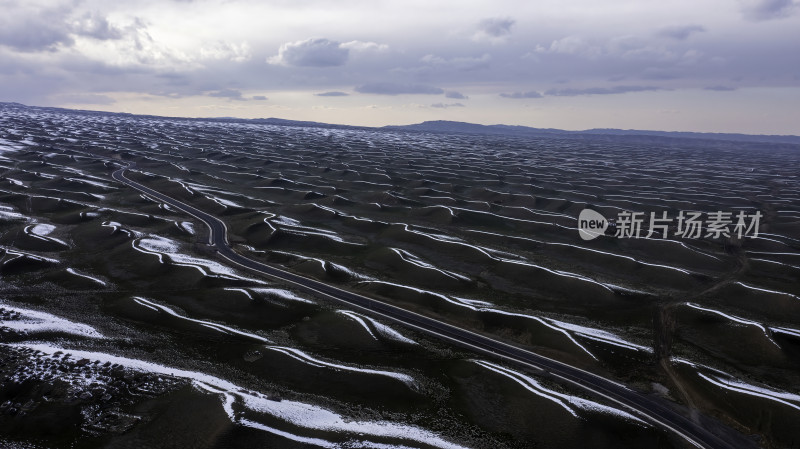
710,65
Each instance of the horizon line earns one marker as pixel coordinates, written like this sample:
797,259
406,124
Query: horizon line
406,127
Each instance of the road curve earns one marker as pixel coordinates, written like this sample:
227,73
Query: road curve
650,409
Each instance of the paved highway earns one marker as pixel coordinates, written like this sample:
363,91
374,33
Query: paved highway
651,409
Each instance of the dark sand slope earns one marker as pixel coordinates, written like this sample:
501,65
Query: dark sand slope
475,231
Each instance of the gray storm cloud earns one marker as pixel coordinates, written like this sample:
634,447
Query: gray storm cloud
461,63
760,10
386,88
48,28
231,94
521,95
681,32
311,53
97,27
494,28
570,92
30,36
455,95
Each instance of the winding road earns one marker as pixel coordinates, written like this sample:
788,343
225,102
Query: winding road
653,410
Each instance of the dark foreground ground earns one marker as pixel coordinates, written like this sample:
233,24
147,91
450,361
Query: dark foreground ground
120,328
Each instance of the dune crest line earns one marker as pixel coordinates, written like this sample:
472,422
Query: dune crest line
647,408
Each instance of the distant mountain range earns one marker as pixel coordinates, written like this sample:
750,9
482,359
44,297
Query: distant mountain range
444,126
451,127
